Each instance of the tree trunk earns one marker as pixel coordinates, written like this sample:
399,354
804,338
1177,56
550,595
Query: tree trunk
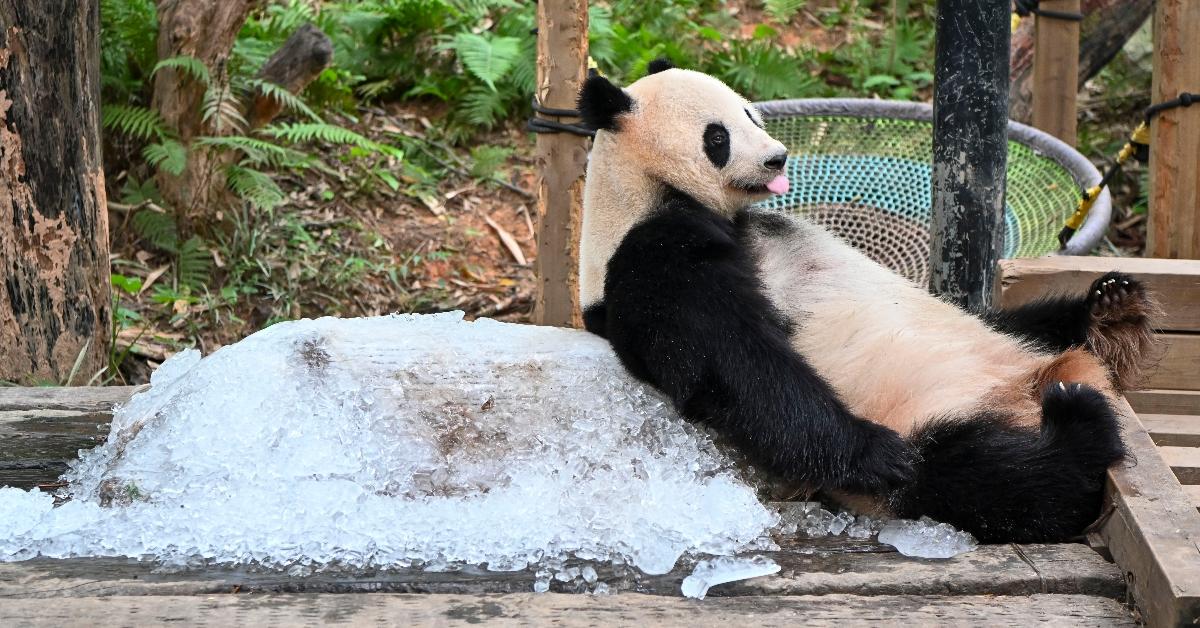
562,53
296,64
1107,25
55,305
206,31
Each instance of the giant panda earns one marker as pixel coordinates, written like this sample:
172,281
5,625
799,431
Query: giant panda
824,368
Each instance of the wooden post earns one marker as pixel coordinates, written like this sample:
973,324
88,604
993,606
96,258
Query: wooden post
1055,71
562,52
1175,134
970,149
55,298
1106,26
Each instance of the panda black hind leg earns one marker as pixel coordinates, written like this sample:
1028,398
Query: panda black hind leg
1007,483
1113,320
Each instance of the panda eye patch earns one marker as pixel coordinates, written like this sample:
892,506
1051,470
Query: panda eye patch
716,144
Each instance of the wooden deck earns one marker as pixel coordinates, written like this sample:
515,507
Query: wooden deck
1154,529
822,582
1151,531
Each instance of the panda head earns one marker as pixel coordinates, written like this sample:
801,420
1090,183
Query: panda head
689,131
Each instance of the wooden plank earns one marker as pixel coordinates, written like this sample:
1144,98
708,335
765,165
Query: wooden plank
1173,430
1193,493
81,398
1162,401
1176,283
1179,365
1184,462
1055,68
990,569
532,609
1153,532
562,55
1174,225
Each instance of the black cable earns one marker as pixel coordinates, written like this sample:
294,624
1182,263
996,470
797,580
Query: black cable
1025,8
1184,100
542,125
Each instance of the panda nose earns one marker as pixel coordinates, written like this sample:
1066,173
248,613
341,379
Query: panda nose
776,162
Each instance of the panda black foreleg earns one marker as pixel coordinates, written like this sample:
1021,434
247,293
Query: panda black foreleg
1004,483
685,312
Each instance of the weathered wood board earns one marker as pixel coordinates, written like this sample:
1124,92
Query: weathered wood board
1175,282
1159,401
820,567
529,609
1153,532
1174,430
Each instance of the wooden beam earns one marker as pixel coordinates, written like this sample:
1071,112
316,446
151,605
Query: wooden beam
1162,401
1179,365
1174,229
562,53
1173,430
1055,71
568,611
1184,463
1153,532
1176,283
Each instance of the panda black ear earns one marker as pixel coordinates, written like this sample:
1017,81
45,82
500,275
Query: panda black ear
658,65
600,103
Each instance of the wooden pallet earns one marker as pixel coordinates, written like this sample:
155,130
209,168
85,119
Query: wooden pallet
1154,530
836,581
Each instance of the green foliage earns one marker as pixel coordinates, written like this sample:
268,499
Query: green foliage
486,160
488,58
783,10
137,122
188,65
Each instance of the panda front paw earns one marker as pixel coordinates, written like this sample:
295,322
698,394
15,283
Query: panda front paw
884,461
1117,298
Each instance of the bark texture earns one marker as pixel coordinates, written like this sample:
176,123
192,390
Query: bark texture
1106,26
205,30
296,64
55,300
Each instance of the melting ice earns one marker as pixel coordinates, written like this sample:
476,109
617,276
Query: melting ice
722,569
395,441
926,538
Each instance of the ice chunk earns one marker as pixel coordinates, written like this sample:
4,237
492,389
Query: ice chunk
722,569
421,441
840,522
862,528
926,538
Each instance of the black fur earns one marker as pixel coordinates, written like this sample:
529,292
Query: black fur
659,65
601,103
594,319
1008,484
685,313
1055,323
1063,322
716,144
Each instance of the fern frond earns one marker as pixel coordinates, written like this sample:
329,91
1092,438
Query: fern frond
157,229
783,10
188,65
254,187
482,107
222,111
259,152
138,122
331,134
192,264
489,59
289,100
169,155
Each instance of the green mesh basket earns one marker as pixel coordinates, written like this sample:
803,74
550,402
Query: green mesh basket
862,169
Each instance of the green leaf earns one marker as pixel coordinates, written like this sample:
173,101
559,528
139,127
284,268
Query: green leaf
156,228
880,80
130,285
137,122
254,187
188,65
169,155
193,263
488,59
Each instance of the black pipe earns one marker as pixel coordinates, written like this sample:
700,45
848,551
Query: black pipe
970,149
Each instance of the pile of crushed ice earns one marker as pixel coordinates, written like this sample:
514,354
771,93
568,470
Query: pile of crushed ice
420,441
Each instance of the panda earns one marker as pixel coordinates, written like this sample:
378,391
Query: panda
825,369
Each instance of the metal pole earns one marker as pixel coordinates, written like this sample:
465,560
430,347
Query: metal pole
970,149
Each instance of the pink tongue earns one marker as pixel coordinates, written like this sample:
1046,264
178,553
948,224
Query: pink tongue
778,185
